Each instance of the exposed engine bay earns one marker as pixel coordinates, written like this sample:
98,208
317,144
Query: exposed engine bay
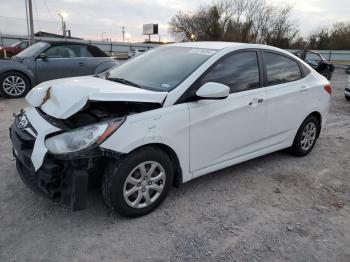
97,111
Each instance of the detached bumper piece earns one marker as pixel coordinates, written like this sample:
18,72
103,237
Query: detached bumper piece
64,180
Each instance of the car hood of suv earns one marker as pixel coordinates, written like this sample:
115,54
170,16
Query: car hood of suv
63,98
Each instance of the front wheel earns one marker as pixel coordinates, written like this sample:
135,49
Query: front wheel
14,85
327,74
306,137
136,185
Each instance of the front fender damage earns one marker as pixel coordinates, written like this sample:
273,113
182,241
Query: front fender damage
66,178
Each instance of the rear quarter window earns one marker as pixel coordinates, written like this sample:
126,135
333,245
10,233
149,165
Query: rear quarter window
96,52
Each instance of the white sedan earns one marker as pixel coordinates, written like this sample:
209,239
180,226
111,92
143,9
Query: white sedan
161,119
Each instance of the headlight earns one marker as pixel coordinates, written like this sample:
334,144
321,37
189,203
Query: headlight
82,138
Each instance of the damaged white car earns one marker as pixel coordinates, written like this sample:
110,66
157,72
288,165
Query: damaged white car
175,113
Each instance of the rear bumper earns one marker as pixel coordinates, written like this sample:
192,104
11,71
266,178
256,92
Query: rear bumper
64,179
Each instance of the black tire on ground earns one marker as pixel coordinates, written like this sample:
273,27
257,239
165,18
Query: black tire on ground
347,98
24,87
296,148
117,172
327,74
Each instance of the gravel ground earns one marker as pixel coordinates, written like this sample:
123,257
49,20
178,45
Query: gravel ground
274,208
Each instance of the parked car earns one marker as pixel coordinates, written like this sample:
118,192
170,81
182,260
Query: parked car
317,62
9,51
347,69
135,52
347,90
50,60
173,114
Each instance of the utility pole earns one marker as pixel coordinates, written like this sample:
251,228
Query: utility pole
31,24
27,21
123,31
64,31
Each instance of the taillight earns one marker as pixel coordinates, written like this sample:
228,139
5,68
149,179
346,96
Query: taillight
328,88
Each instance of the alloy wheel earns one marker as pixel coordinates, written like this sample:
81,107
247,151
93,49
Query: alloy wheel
14,85
308,136
144,184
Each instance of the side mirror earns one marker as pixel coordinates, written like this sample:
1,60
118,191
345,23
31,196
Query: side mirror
213,90
42,56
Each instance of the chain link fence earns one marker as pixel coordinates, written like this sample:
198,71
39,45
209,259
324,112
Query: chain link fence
120,50
114,49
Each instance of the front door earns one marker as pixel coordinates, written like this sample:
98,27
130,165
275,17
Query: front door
61,61
231,128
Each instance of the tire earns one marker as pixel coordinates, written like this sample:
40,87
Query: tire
347,98
116,185
14,85
300,147
327,74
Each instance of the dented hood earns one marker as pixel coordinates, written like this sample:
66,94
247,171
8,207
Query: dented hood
62,98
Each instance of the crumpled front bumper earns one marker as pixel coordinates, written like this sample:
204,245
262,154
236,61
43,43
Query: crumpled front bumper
65,179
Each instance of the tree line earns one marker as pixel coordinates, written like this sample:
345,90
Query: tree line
253,21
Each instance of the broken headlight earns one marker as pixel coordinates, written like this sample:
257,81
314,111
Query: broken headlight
82,138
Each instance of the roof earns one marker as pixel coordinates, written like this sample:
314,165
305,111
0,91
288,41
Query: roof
221,45
61,42
208,44
48,34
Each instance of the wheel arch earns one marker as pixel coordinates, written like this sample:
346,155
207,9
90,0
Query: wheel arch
30,80
173,156
104,66
319,119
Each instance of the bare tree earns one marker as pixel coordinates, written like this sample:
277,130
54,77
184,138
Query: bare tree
236,20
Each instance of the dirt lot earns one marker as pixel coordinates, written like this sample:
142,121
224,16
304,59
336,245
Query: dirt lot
273,208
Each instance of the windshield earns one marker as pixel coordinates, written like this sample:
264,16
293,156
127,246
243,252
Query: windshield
161,69
32,50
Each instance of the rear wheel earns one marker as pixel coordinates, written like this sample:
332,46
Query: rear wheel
13,85
306,137
136,185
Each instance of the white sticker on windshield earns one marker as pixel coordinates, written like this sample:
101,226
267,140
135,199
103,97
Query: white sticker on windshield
202,51
165,85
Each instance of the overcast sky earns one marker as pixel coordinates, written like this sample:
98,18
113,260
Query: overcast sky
90,18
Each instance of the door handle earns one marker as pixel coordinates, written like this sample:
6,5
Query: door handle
255,101
303,89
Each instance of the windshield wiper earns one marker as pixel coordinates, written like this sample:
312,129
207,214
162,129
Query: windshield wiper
123,81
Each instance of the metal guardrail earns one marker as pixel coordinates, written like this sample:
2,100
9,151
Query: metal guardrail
331,55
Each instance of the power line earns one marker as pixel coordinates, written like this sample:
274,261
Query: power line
47,7
51,21
37,16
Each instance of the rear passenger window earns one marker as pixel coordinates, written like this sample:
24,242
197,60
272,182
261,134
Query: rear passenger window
95,51
280,69
239,71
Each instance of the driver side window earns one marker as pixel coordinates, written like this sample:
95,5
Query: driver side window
60,51
239,71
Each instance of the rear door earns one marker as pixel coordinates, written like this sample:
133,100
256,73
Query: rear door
61,61
225,129
287,96
93,57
